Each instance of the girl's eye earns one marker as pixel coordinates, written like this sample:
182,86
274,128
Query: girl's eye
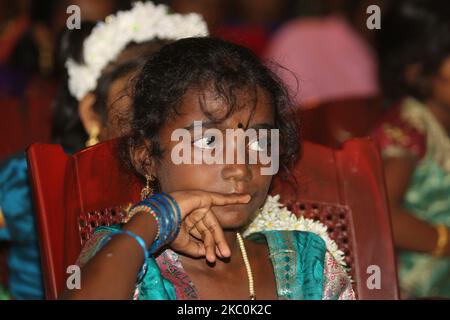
258,145
205,142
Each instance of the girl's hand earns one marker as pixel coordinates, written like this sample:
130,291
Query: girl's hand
200,233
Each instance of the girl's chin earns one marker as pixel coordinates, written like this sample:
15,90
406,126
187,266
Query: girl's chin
232,219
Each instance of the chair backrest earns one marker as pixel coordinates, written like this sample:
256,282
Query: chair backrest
332,122
73,195
343,188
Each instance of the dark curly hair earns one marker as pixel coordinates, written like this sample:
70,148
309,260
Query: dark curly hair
67,129
200,63
413,32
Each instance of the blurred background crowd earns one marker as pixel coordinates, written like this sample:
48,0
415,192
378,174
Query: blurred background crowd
348,80
286,31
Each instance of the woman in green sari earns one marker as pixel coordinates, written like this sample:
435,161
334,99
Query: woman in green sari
415,143
182,241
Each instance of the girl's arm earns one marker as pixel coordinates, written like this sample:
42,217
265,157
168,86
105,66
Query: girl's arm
410,233
112,272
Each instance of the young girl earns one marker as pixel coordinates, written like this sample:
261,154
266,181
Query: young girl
415,144
183,240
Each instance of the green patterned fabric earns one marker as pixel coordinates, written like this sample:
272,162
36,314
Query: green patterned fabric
298,260
303,268
155,286
428,198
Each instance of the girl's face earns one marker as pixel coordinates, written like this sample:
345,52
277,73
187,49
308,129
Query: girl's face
224,178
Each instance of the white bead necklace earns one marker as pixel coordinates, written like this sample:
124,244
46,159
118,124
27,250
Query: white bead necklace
251,284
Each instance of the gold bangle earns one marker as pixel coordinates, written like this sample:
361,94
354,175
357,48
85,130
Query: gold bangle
144,209
2,219
132,212
442,241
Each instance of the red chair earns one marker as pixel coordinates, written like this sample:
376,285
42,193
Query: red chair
331,123
344,188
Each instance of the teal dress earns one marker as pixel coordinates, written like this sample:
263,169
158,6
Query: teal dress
303,269
24,270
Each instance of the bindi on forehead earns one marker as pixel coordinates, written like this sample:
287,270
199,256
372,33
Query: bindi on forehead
205,105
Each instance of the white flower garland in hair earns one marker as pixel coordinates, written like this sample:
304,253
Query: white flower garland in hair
144,22
273,216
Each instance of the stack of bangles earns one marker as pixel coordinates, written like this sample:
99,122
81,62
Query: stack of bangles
167,214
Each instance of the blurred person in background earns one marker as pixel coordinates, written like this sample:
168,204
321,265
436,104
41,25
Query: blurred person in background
325,56
330,68
414,141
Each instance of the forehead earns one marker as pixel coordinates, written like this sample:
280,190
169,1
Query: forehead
249,107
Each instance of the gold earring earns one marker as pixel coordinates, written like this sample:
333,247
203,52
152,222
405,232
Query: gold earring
147,191
93,137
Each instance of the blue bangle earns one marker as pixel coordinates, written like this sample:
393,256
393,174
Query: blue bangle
137,238
164,224
141,242
174,224
165,215
175,204
169,218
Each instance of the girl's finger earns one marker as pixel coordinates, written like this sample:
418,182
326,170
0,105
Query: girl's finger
186,245
218,253
221,245
218,199
194,249
208,241
191,220
192,200
212,224
189,224
195,233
